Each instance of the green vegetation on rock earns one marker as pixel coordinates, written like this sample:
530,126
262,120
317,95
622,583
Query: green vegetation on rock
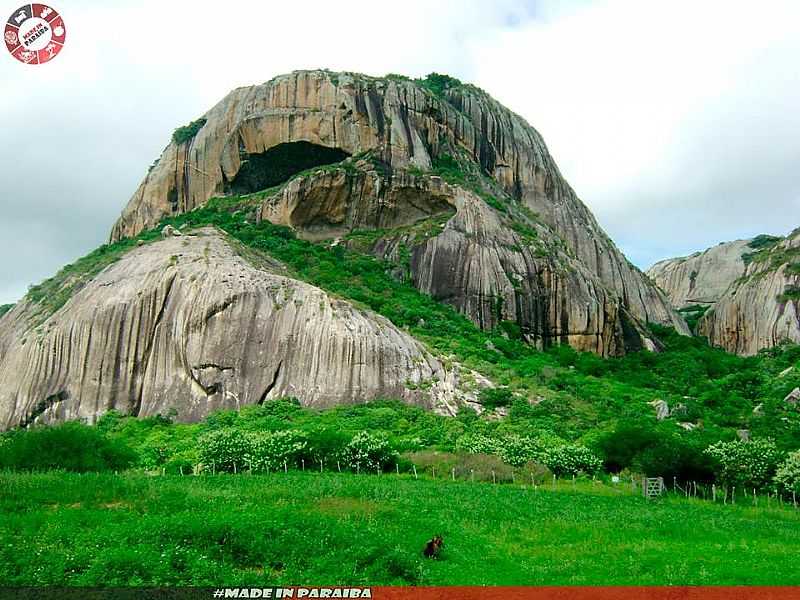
186,133
4,308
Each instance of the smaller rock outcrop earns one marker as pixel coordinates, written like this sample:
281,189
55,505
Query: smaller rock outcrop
189,324
793,397
703,277
750,288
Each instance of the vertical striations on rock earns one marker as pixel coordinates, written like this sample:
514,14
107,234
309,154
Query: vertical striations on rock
407,130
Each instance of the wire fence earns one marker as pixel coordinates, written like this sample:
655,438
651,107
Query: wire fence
643,486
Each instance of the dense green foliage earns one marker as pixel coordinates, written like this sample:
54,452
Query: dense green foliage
439,83
70,446
329,529
693,314
788,475
4,308
187,132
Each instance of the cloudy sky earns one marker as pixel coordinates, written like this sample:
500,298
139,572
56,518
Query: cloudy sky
677,123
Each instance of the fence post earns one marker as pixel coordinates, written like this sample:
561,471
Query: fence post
513,479
433,470
303,462
285,467
414,467
494,479
397,468
339,466
453,472
713,492
472,475
573,480
234,467
554,481
358,468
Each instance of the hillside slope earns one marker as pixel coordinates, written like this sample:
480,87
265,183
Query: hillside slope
188,325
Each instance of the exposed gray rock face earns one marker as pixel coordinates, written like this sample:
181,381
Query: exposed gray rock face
793,397
761,309
752,286
475,261
703,277
661,408
406,128
186,323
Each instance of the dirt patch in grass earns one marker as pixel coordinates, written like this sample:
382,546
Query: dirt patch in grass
345,507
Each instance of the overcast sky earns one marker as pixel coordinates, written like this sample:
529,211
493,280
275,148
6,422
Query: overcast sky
676,122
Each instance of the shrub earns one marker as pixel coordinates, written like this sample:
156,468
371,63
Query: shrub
518,450
439,83
187,132
477,443
749,464
70,446
787,476
495,397
369,452
224,450
572,460
269,451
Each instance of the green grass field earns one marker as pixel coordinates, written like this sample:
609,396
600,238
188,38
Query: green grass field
327,528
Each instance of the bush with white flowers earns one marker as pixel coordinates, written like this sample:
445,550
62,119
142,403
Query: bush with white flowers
745,464
518,450
787,477
477,443
572,459
369,452
269,451
224,450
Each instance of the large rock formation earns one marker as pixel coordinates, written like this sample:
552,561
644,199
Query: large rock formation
752,287
703,277
586,293
188,324
456,191
761,309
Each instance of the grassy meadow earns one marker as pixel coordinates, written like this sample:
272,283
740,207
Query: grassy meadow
312,528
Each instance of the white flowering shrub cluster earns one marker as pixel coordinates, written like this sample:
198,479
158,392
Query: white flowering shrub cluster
369,452
571,459
224,450
750,464
787,477
477,443
269,451
516,450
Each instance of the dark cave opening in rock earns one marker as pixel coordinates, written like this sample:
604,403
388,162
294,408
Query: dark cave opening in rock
280,163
